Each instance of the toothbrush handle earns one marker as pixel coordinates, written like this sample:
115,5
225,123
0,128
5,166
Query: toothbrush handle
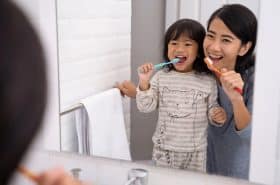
240,91
156,67
219,73
160,65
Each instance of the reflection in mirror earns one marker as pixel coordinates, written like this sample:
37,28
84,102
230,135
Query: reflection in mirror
101,43
94,53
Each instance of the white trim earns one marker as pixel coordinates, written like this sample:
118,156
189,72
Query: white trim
266,96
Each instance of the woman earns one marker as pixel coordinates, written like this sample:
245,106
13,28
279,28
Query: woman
22,95
230,42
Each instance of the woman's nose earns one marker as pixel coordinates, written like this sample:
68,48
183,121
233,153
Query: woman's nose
215,45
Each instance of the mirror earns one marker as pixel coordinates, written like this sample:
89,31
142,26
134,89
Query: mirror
101,43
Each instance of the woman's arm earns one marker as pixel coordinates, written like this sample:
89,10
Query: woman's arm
230,80
127,88
242,116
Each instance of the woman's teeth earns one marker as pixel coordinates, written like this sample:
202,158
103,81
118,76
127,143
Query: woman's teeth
215,59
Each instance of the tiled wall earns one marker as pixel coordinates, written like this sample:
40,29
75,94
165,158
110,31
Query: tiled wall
94,50
94,46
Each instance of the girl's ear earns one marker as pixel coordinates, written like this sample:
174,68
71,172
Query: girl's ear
245,48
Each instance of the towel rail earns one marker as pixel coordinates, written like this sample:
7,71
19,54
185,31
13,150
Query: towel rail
72,108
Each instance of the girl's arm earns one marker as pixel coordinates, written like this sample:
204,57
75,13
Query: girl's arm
147,91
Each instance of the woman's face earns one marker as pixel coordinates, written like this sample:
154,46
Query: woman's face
186,50
222,46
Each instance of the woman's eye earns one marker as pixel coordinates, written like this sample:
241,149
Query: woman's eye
226,41
188,44
209,36
173,43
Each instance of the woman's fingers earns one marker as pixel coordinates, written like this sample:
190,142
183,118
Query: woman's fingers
231,80
127,88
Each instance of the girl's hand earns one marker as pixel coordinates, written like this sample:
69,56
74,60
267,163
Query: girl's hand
127,88
145,72
229,81
218,115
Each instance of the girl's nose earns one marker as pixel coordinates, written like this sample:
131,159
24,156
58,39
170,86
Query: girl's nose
180,48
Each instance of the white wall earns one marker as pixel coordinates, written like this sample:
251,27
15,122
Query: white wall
266,114
43,16
201,9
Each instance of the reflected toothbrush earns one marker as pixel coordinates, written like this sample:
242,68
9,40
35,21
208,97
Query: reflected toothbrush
218,73
161,65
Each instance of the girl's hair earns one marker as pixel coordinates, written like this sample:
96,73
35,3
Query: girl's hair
195,31
242,23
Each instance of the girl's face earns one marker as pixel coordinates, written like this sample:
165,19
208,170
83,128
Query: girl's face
186,50
222,46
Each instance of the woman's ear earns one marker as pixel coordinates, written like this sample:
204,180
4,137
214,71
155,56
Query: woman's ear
245,48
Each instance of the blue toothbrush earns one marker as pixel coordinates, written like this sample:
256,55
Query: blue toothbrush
161,65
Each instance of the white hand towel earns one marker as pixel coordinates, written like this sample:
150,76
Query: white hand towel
107,134
82,130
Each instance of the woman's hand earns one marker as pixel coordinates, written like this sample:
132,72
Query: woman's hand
145,72
231,80
57,176
218,115
127,88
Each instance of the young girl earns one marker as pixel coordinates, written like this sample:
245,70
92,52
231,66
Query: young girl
185,96
230,44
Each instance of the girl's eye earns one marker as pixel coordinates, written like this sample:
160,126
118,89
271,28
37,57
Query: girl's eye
188,44
173,43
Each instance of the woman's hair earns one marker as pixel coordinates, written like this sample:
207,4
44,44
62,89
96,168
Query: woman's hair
242,23
22,87
195,31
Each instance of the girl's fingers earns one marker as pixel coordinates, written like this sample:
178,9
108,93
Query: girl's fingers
146,68
219,115
219,119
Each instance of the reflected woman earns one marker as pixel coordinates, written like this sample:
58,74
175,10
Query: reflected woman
230,42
